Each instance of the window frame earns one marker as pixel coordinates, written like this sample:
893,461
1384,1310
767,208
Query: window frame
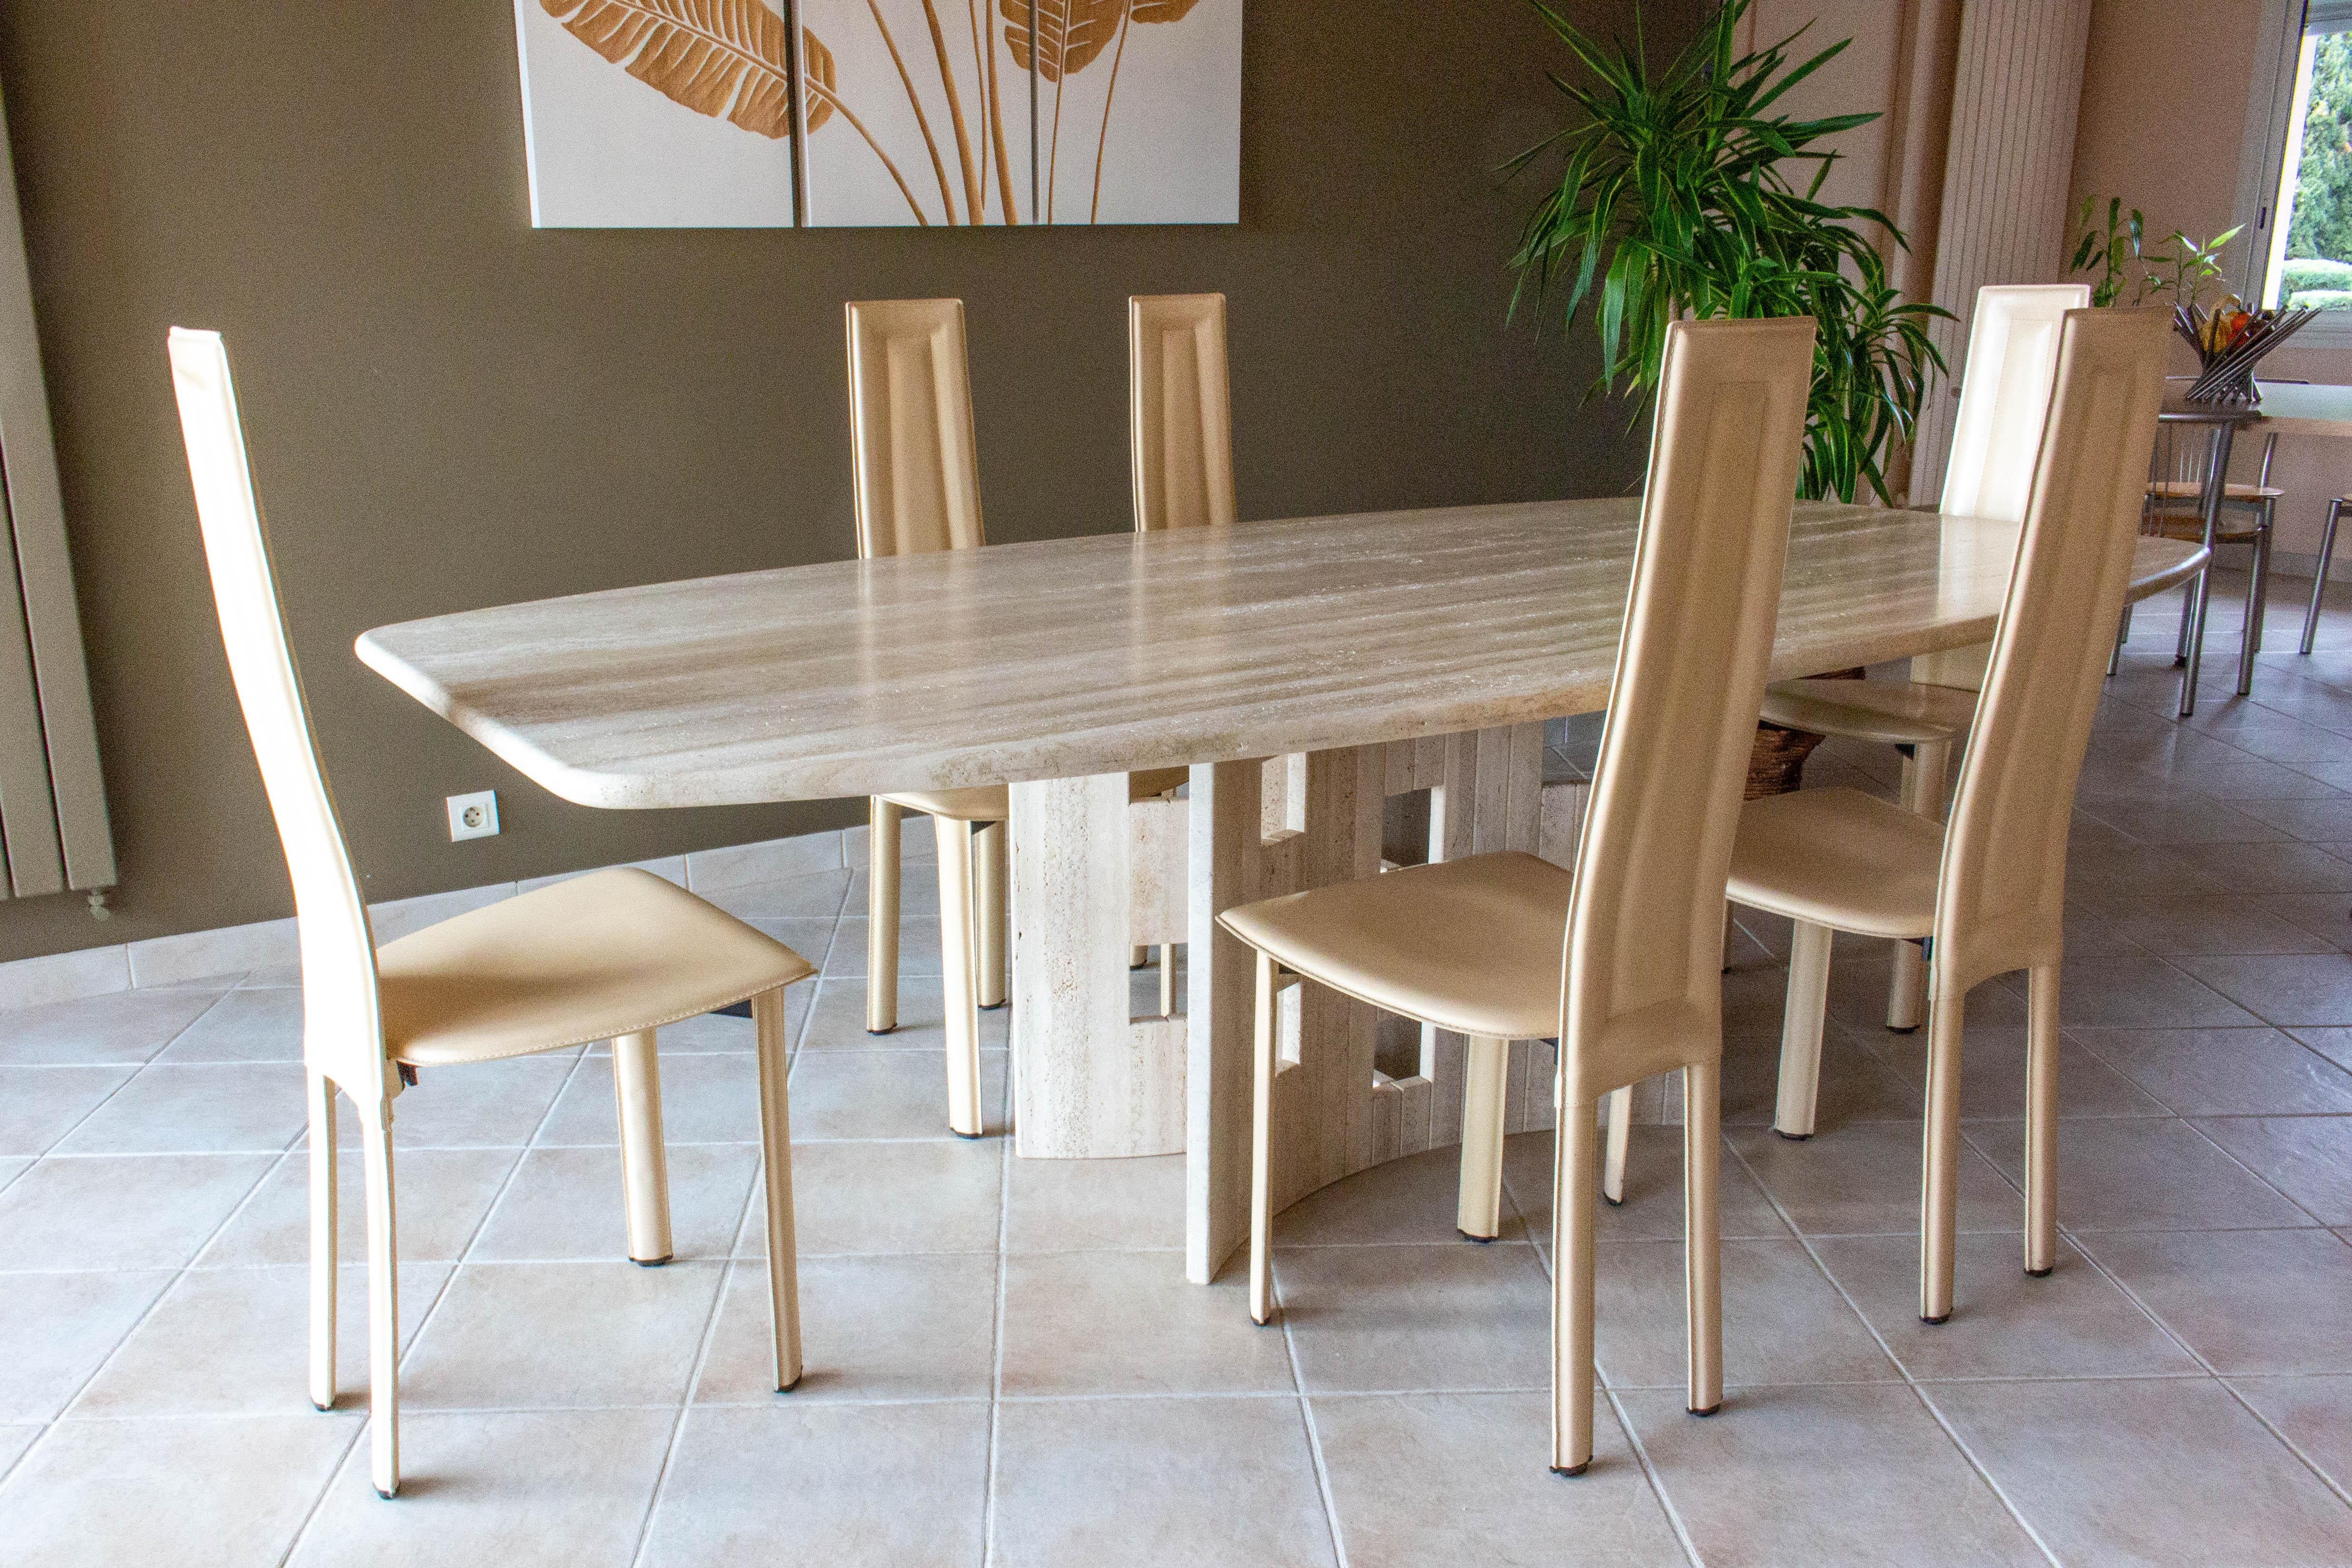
2273,106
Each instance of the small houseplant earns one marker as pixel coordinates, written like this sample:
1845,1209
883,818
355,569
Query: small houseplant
1682,194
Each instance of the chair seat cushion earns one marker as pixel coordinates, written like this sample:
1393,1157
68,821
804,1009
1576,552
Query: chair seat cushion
610,954
2194,490
1893,713
2189,525
991,803
1476,945
1839,858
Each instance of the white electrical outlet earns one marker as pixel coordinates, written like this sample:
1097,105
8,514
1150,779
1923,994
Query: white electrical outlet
474,816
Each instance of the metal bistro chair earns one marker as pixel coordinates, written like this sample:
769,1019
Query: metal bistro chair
1621,958
2175,486
611,956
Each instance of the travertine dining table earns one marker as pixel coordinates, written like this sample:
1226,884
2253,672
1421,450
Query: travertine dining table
1059,666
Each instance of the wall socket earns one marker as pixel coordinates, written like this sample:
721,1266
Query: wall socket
474,816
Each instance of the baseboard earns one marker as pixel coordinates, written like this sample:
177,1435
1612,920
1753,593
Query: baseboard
270,947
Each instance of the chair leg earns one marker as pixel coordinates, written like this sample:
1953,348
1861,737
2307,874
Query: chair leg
776,1159
1800,1029
1924,774
1478,1213
2123,635
1167,980
882,915
2041,1122
992,894
957,980
1573,1225
1940,1167
383,1301
1264,1024
645,1158
1703,1248
2250,636
2319,572
322,1241
1617,1144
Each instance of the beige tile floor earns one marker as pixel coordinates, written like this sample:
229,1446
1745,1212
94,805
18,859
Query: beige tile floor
1006,1367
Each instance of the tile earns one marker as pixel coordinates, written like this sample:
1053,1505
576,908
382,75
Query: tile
14,1438
2335,1045
1652,1208
872,1329
235,1341
64,976
568,1204
1855,1086
2315,989
2142,1175
815,897
522,1335
2308,1158
210,1109
2273,867
65,1325
2148,1470
2190,927
1824,1476
887,1094
40,1105
1992,1077
226,1493
941,1196
2186,821
2252,1303
1865,1180
1382,1318
705,1099
2327,916
1413,1200
556,1488
1783,1320
1390,1456
868,1484
127,1212
2004,1323
1095,1205
2225,1072
197,954
1129,1322
2318,820
119,1030
255,1026
837,1019
478,1105
770,860
1153,1481
2314,1414
397,918
2139,993
707,1034
442,1196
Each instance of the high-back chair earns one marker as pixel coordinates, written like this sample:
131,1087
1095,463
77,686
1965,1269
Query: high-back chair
2004,398
916,479
1988,888
611,956
1621,958
1181,407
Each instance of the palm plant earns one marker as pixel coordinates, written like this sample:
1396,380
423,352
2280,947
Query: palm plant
1676,199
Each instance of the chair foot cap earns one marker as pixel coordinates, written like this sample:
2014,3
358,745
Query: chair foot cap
1708,1411
1793,1137
1612,1203
1945,1319
385,1495
1571,1470
2041,1273
891,1030
969,1137
328,1406
1902,1029
788,1387
992,1007
653,1262
1481,1240
1266,1322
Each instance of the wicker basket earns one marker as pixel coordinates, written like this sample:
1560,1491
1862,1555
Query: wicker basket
1776,765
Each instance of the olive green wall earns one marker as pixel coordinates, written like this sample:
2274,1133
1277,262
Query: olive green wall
448,409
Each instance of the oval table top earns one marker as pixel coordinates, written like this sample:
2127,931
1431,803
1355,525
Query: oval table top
1120,651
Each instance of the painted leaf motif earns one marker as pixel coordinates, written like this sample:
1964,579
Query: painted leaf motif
1149,11
818,60
1070,34
720,57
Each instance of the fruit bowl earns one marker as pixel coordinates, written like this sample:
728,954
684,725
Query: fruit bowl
2230,340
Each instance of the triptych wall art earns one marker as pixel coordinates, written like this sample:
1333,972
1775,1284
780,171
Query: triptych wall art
838,113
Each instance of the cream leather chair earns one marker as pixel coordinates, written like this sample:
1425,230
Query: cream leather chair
1988,889
1621,958
917,490
2004,396
611,956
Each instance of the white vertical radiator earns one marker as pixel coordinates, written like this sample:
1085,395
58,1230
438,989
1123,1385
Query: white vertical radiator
53,829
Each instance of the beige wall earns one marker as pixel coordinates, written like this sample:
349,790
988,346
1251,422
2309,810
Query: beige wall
449,410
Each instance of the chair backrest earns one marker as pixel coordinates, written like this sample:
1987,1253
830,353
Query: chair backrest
342,1033
918,480
2004,870
1644,990
2004,397
1182,409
